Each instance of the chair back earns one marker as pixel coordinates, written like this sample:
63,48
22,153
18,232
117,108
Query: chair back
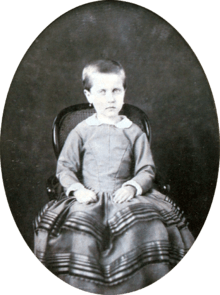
71,116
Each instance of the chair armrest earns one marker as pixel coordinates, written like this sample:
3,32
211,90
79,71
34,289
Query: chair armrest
164,189
161,185
54,189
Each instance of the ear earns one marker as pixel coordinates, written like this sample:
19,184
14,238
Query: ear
88,95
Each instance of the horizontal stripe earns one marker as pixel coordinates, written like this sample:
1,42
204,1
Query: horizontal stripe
119,223
132,214
87,218
120,269
129,216
172,218
83,222
79,221
47,220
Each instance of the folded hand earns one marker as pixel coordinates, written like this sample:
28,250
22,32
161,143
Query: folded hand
85,196
124,194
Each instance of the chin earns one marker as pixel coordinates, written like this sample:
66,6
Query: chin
111,114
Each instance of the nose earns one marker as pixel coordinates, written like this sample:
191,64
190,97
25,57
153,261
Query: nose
110,97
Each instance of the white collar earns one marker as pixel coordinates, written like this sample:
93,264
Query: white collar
124,123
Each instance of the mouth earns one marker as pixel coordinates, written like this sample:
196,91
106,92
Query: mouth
110,108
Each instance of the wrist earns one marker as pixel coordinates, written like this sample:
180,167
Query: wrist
131,188
73,188
134,184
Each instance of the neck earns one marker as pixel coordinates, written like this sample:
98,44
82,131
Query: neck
109,120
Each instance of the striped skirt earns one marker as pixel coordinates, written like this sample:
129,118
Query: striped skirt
109,248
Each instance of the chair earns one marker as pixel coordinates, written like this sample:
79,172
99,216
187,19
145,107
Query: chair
69,117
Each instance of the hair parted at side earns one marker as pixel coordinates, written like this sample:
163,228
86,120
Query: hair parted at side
101,66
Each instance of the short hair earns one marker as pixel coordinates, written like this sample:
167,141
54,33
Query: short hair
101,66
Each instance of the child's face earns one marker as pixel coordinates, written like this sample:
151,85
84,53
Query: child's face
107,93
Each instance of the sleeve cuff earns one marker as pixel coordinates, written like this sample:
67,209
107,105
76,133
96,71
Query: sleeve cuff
74,187
136,185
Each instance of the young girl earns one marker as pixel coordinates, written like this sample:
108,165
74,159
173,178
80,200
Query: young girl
112,233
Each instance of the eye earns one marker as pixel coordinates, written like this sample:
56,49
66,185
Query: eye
102,91
116,90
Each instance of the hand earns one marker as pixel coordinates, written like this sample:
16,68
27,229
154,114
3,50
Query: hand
124,194
85,196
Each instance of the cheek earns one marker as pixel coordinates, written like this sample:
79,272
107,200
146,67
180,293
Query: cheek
99,104
120,100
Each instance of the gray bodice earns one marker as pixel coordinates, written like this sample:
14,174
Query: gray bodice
102,157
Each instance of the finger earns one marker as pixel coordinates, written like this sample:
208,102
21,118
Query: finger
88,201
124,198
129,198
117,197
95,198
116,193
120,197
115,200
92,197
114,196
80,200
83,201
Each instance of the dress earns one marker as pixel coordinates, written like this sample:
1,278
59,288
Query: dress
106,247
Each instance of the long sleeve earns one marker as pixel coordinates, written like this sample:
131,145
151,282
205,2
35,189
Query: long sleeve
144,169
68,164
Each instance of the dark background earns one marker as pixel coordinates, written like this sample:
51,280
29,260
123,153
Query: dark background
164,79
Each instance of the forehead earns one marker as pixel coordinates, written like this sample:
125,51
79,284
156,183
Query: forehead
98,79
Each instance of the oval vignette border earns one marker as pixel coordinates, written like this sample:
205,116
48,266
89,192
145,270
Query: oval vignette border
12,263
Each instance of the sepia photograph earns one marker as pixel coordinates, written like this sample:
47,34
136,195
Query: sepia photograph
110,147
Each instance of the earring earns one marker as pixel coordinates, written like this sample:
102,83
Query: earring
90,105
